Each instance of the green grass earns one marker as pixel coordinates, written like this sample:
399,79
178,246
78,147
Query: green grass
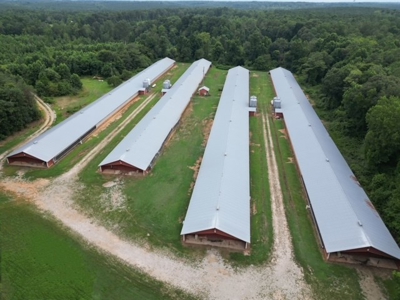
261,220
19,137
389,286
157,203
40,260
329,281
92,90
78,152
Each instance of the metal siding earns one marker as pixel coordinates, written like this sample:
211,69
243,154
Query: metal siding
57,139
148,136
338,202
223,180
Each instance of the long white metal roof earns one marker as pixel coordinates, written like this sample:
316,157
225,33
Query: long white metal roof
221,195
60,137
344,214
142,144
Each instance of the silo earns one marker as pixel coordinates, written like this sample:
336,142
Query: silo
277,102
253,101
146,83
167,84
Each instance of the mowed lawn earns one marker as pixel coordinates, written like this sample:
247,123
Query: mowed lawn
78,152
63,106
155,205
40,260
329,281
92,90
261,213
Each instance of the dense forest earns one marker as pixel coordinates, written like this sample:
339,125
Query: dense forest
348,60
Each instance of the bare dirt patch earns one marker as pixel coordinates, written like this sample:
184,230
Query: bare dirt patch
113,198
290,160
116,116
370,288
207,125
22,188
109,184
254,209
284,133
196,167
254,75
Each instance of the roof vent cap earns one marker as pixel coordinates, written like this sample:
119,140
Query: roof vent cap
359,223
225,154
127,150
35,142
327,159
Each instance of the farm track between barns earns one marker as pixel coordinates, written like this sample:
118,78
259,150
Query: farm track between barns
208,278
211,278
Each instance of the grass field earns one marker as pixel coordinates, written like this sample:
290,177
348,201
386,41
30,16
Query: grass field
151,208
40,260
261,219
92,90
19,137
156,204
78,152
328,281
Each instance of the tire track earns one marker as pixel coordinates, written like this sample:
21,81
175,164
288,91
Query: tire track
210,278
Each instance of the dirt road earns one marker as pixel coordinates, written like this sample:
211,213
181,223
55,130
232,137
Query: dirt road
49,118
211,278
283,264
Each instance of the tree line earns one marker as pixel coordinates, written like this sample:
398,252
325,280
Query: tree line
347,58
